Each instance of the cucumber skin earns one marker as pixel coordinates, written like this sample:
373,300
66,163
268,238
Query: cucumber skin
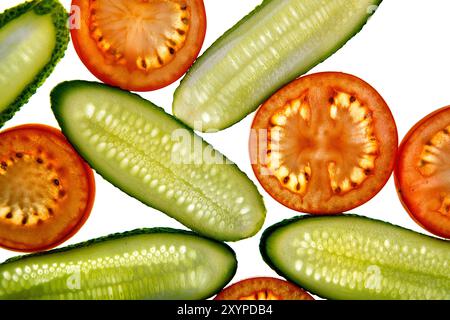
122,235
55,98
269,94
270,230
112,236
60,17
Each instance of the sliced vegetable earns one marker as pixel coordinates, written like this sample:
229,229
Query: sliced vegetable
139,45
273,45
421,173
326,143
142,264
263,289
33,38
351,257
46,189
149,155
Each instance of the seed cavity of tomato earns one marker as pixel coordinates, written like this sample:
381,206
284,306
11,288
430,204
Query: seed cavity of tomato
150,50
29,206
431,160
430,157
298,113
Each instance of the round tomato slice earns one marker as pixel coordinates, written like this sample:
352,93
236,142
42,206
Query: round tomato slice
138,45
324,144
263,289
422,172
46,189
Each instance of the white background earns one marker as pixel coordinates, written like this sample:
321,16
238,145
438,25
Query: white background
403,52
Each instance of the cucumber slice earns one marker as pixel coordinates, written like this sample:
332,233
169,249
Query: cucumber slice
273,45
33,38
149,155
141,264
350,257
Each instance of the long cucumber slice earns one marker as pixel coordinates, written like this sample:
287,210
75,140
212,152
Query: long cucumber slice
350,257
142,264
149,155
274,44
33,38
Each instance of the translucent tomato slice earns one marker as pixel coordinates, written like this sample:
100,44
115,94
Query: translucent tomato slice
138,45
46,189
324,144
422,173
263,289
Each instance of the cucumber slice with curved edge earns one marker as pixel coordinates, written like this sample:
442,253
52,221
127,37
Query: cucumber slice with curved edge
273,45
141,264
149,155
33,38
351,257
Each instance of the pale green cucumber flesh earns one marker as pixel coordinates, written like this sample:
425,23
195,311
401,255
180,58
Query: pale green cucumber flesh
33,38
142,264
152,157
350,257
277,42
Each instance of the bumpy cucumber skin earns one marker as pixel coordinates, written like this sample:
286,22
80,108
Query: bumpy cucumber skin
334,294
257,103
27,260
59,16
56,97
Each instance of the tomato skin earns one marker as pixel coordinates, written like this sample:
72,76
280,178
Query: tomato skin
428,221
56,135
135,81
387,133
277,288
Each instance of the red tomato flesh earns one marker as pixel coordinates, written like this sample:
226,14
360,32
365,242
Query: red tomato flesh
263,289
324,144
46,189
422,172
139,45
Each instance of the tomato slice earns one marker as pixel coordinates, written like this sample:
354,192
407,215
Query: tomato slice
422,172
324,144
263,289
138,45
46,188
